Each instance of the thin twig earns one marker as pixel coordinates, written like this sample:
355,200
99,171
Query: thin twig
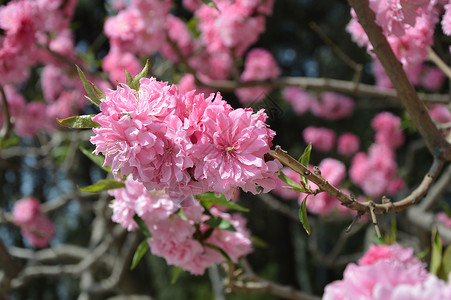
7,125
439,62
415,196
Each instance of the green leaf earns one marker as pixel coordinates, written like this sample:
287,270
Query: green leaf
135,82
220,223
208,199
192,27
436,254
303,215
220,250
446,264
181,214
296,189
9,142
129,79
102,185
176,271
304,160
97,159
83,121
289,181
93,97
210,3
98,92
258,242
139,253
142,226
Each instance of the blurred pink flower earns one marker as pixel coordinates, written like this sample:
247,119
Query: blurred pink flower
322,139
348,144
300,100
333,106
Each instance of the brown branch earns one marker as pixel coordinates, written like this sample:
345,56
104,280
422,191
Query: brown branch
435,142
323,84
348,201
249,282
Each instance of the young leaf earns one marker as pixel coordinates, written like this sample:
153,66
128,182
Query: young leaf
9,142
129,78
210,198
135,82
258,242
139,254
446,264
304,160
102,185
289,181
296,189
303,215
220,223
94,98
83,121
436,254
97,159
98,92
176,273
142,226
226,256
181,214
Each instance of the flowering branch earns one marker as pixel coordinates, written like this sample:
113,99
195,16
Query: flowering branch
378,208
323,84
435,142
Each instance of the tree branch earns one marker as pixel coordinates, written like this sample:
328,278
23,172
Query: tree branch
435,142
348,201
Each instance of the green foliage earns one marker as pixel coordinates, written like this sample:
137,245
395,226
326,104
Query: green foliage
92,96
220,223
97,159
436,255
134,82
142,226
209,199
304,160
5,143
303,215
176,271
220,250
103,185
78,122
139,254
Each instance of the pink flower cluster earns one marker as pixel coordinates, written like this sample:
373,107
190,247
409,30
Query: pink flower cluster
225,33
323,139
387,272
444,219
409,28
375,172
330,106
35,226
36,33
184,142
180,241
259,65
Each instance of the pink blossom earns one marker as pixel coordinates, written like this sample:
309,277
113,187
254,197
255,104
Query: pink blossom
388,132
178,34
432,78
140,28
322,139
333,106
356,31
116,62
232,150
183,142
446,20
390,253
230,26
187,83
440,113
35,226
375,173
26,210
444,219
31,120
348,144
259,65
381,272
395,15
300,100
